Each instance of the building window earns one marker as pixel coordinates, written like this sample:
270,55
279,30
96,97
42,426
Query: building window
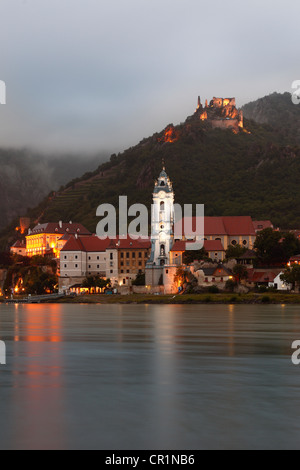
111,271
122,255
111,256
89,258
234,242
65,257
140,263
98,266
98,257
167,271
140,254
122,271
127,271
76,257
76,265
162,204
124,281
65,266
127,255
127,263
133,255
245,242
122,263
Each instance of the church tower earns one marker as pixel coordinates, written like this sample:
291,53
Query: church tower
162,220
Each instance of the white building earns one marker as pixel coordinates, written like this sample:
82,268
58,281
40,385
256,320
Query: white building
158,269
82,257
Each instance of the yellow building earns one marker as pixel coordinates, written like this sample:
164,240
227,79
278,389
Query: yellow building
50,238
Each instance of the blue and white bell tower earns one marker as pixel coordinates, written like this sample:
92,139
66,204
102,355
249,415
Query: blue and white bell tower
162,220
162,225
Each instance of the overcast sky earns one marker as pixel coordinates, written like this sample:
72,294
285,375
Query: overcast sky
103,74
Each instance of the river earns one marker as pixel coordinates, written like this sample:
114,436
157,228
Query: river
119,377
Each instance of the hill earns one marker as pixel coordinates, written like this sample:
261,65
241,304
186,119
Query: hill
253,171
26,177
278,111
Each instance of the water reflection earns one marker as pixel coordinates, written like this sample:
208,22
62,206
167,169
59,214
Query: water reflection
121,377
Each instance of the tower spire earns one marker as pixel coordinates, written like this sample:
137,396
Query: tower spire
163,164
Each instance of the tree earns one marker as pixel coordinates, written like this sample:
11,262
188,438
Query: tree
276,247
240,272
291,275
91,282
230,285
190,256
140,280
5,259
234,252
290,245
269,249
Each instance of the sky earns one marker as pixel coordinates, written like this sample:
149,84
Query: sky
97,75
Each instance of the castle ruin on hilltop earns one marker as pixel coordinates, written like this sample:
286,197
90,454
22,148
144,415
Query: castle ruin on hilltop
220,113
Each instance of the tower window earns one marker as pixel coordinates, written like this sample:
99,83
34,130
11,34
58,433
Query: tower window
162,206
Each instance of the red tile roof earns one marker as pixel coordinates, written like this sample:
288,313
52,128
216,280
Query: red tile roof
262,276
262,224
53,227
19,244
95,244
209,245
232,226
213,245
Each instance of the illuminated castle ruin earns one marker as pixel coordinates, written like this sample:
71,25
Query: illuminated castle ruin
220,112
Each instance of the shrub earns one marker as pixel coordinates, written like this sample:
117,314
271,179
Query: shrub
230,285
213,290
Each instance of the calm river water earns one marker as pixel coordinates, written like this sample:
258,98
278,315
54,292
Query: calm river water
149,377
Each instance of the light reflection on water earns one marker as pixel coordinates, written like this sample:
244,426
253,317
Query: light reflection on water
149,377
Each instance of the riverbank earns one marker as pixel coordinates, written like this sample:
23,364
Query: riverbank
224,298
205,298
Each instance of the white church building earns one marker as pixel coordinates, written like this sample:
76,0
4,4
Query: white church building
159,271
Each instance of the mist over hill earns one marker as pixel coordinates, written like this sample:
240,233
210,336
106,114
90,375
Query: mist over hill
26,177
